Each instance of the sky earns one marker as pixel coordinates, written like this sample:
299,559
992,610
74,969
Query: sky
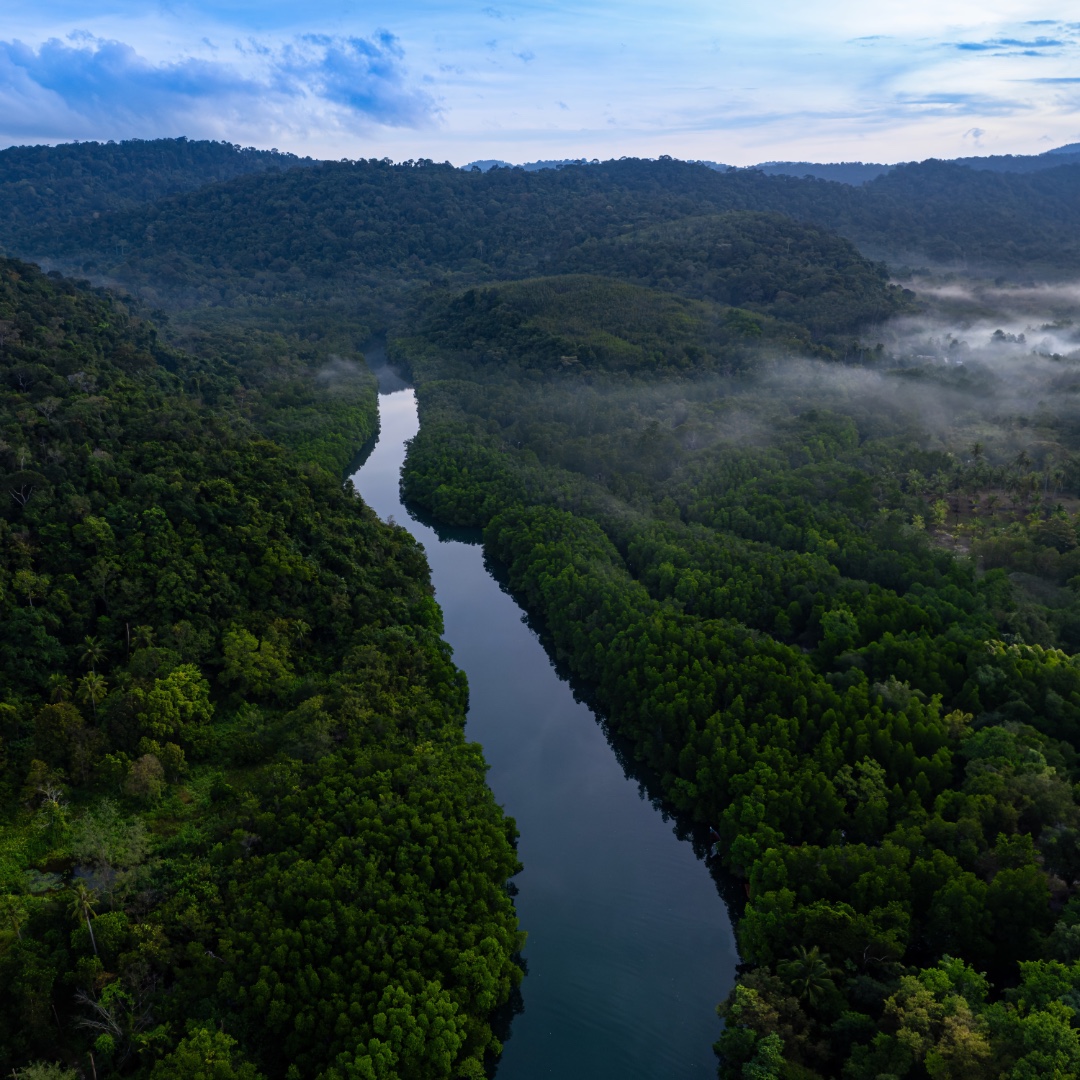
739,83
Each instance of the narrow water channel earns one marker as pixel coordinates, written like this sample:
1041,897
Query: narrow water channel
630,946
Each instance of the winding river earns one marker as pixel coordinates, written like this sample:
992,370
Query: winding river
630,946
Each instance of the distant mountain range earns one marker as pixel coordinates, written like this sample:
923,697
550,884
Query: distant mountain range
844,172
210,220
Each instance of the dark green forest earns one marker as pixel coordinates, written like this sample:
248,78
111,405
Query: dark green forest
803,529
309,232
68,183
240,810
756,573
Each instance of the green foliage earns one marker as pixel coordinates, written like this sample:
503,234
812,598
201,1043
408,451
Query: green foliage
179,702
72,181
225,697
654,222
731,578
205,1055
797,273
583,324
43,1070
235,788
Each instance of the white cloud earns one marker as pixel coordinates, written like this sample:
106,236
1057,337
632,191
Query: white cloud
834,80
89,87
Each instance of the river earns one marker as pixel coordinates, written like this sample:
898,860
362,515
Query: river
630,945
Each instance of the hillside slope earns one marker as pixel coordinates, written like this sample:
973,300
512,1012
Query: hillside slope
66,183
276,232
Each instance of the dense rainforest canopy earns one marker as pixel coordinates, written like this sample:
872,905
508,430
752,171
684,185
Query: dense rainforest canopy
808,540
288,229
239,806
752,575
67,183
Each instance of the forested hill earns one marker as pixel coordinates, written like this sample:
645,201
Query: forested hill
276,231
239,822
66,183
968,218
859,172
358,219
346,234
800,273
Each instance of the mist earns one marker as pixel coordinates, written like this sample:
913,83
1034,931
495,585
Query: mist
992,368
339,375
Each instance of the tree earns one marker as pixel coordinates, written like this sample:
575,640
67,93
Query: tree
14,912
82,906
22,485
177,704
120,1015
57,728
92,688
809,974
937,1024
59,687
1018,900
205,1054
916,482
32,586
46,1070
768,1060
146,778
254,665
92,652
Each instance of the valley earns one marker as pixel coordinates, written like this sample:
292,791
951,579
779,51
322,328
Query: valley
783,475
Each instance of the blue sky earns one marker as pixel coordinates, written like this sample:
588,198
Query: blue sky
733,82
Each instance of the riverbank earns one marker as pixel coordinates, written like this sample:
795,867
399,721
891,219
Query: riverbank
629,945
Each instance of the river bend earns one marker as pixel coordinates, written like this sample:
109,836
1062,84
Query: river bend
630,945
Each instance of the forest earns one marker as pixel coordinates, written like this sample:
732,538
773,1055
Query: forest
242,823
803,526
840,627
282,230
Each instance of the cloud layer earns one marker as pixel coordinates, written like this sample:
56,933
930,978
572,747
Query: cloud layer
88,87
520,80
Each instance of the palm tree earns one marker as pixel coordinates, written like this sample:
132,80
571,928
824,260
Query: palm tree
92,688
809,973
1048,472
82,907
143,637
15,914
93,652
916,482
59,687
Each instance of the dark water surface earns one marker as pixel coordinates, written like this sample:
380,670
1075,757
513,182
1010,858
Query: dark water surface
630,946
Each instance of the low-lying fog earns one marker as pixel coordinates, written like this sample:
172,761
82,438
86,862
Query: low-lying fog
995,366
